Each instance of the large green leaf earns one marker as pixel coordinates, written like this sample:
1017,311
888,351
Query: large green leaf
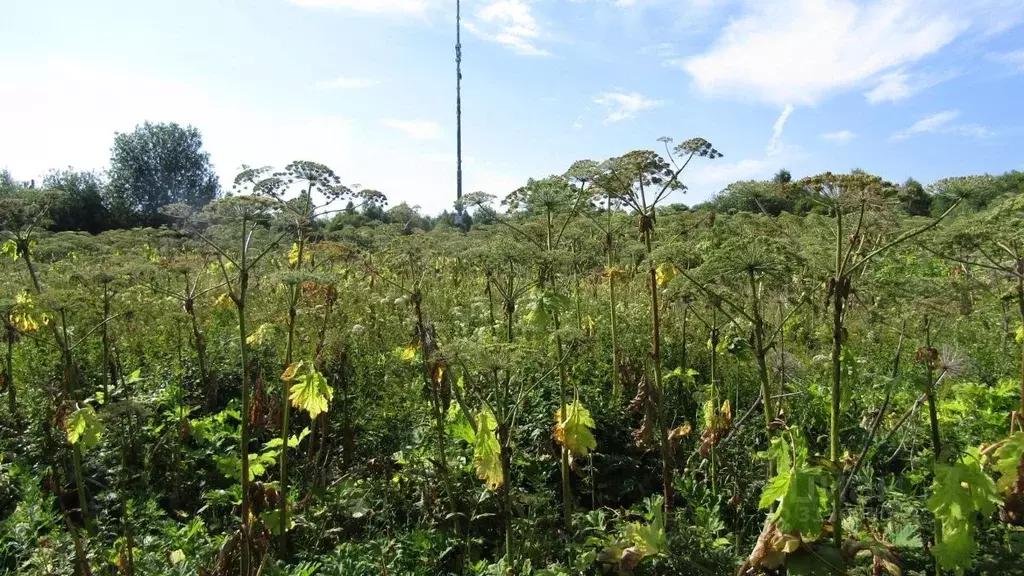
798,488
545,304
959,492
487,452
1008,461
574,429
84,428
309,389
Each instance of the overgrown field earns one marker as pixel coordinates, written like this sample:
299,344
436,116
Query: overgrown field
586,380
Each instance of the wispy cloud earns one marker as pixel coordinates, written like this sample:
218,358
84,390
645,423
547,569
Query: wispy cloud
416,129
1014,60
801,51
510,23
393,7
900,85
942,123
622,106
775,143
838,137
348,82
713,176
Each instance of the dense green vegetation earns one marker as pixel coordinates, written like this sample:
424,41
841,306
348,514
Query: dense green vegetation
814,376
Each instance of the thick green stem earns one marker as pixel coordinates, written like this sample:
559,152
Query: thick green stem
837,374
506,492
108,362
616,384
1020,304
562,394
760,352
293,302
666,458
933,417
564,464
244,351
12,397
438,409
714,401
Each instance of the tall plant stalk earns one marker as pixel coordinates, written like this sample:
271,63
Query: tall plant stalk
237,272
837,192
641,180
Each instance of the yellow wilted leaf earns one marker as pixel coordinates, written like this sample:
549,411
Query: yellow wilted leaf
293,254
408,353
261,334
23,298
24,323
787,544
311,393
290,372
223,301
614,272
573,431
679,432
665,273
23,316
10,248
487,452
177,557
589,324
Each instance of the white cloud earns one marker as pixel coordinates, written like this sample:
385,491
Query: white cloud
1014,60
800,51
622,106
393,7
510,23
416,129
839,136
941,123
775,143
348,82
713,176
900,85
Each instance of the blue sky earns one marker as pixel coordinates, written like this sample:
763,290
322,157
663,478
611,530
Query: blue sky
922,88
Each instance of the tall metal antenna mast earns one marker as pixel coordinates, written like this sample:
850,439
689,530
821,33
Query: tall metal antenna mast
458,104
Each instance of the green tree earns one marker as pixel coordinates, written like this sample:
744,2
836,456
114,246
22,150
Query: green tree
80,207
913,198
155,165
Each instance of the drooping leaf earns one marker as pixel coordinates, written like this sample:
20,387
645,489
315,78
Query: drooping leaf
959,492
664,274
573,429
10,249
638,541
1008,461
310,392
545,305
292,370
84,428
262,334
272,521
459,426
407,353
487,451
799,488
